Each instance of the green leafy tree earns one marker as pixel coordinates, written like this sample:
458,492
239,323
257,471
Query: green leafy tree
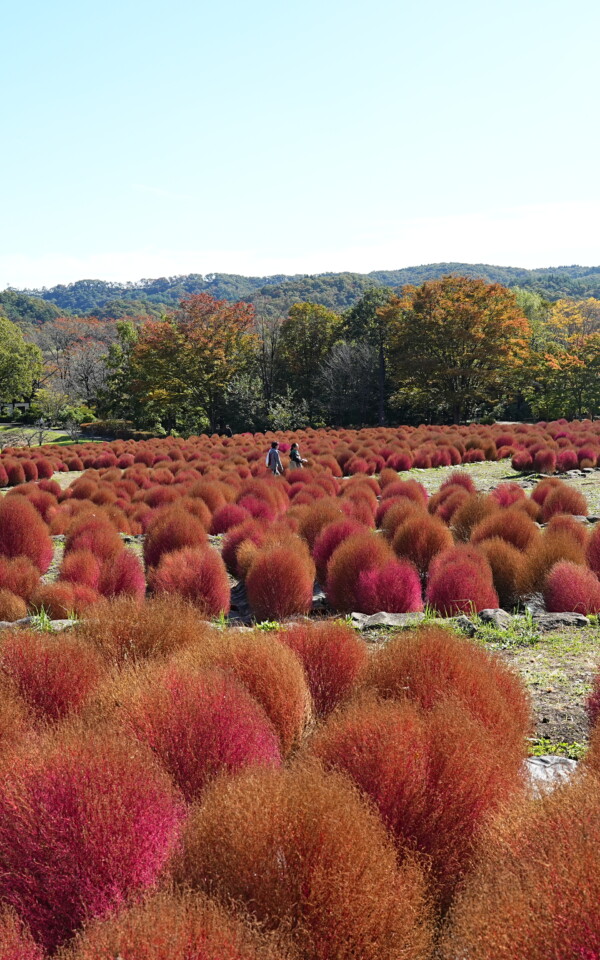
20,363
307,336
365,322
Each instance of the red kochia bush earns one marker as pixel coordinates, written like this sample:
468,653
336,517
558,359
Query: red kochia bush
170,927
53,677
62,599
81,566
564,499
535,890
93,531
19,575
592,705
394,588
359,552
198,722
123,574
280,582
198,575
334,658
12,607
434,776
593,550
511,525
172,530
24,533
228,516
270,671
250,530
461,583
505,562
303,852
85,821
329,539
434,664
570,587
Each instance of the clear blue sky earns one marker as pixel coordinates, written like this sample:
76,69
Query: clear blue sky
152,138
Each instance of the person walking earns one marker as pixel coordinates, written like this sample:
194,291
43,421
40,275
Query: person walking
273,460
295,458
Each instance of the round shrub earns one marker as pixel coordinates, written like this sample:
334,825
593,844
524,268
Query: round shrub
123,575
570,588
12,607
539,559
460,583
124,630
20,576
250,530
535,891
505,563
470,513
280,582
433,664
334,658
93,532
53,677
341,893
97,820
394,588
197,575
329,539
228,516
23,533
270,671
511,525
198,722
564,499
171,927
419,539
434,776
592,551
81,566
172,530
61,600
356,554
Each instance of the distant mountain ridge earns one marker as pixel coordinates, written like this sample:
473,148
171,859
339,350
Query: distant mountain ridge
276,293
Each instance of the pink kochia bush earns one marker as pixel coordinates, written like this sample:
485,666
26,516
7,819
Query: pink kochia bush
571,588
85,822
198,575
198,722
461,581
24,533
123,574
394,588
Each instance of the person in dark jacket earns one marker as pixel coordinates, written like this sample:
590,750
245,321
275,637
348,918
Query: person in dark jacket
295,458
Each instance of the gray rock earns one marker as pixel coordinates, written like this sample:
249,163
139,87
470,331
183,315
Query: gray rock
554,621
466,625
319,600
363,621
6,625
496,618
57,626
588,470
593,518
547,772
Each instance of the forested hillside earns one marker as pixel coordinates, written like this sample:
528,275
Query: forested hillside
276,294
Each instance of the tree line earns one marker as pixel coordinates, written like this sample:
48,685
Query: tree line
447,350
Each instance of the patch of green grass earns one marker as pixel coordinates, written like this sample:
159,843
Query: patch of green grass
522,632
267,625
542,747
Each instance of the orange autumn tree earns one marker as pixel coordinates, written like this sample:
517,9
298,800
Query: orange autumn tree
567,373
185,360
455,344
